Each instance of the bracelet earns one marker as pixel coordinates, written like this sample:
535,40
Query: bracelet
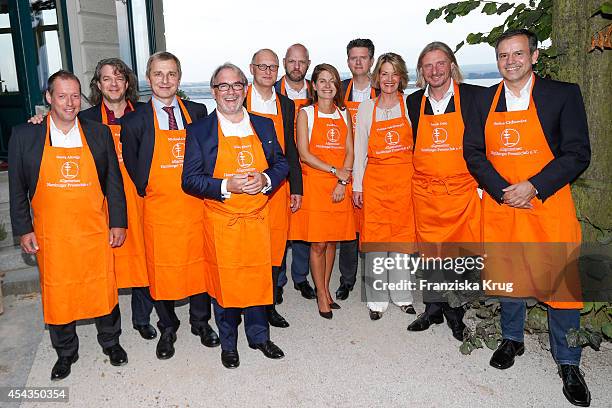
343,182
333,170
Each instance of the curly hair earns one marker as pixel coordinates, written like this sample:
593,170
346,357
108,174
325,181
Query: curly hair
119,67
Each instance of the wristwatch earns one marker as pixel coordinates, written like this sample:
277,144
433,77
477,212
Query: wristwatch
343,182
333,170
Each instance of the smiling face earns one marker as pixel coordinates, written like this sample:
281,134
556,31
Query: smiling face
65,100
296,63
389,79
325,86
436,69
112,84
164,79
514,60
229,102
266,78
359,61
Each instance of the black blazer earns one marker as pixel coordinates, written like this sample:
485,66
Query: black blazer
563,118
467,93
95,113
25,155
345,85
291,152
138,140
201,148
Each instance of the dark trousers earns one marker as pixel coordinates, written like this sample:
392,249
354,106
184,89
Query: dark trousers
348,261
275,273
66,342
513,313
199,312
300,257
142,306
228,319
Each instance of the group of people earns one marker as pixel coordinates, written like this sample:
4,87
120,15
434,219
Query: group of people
204,206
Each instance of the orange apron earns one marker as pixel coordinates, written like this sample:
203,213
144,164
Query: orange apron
173,221
130,262
237,230
388,216
515,239
299,103
353,107
320,219
279,200
71,225
446,202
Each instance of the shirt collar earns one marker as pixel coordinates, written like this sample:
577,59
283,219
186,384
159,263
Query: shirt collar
525,90
159,104
257,95
55,129
226,122
449,91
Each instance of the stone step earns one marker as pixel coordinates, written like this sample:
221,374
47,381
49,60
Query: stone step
21,281
4,188
13,257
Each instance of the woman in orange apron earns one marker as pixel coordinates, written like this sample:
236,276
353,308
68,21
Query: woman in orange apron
383,171
325,144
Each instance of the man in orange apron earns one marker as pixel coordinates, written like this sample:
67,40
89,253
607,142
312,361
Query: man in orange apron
153,140
66,171
234,161
262,100
296,87
526,140
446,202
360,58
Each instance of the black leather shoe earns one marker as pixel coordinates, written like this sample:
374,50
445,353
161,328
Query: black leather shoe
230,358
208,336
574,387
375,315
146,331
269,349
503,357
334,305
275,319
116,355
61,369
342,293
423,321
305,289
279,295
326,315
454,320
165,345
409,309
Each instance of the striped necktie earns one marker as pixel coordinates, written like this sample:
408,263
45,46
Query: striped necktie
171,119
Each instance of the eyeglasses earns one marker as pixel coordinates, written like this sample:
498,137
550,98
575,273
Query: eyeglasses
263,67
224,86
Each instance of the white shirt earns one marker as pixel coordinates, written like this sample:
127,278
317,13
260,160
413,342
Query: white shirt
162,116
362,135
293,95
61,139
240,129
439,107
521,102
310,116
259,105
360,95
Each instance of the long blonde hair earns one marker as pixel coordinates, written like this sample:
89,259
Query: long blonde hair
438,46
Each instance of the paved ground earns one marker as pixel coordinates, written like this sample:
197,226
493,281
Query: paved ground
349,361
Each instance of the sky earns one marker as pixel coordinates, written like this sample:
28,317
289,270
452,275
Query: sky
204,34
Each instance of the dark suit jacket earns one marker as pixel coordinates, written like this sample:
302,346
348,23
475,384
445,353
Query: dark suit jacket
201,149
561,112
291,152
25,155
95,113
345,89
467,94
138,140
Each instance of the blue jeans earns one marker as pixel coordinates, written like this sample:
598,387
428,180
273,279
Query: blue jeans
513,313
300,258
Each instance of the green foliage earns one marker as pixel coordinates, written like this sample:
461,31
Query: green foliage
605,8
181,94
535,16
3,233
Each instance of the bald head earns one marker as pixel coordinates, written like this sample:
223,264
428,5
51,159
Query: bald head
296,62
264,68
264,53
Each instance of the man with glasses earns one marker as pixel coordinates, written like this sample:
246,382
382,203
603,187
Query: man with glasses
294,85
262,100
153,139
234,161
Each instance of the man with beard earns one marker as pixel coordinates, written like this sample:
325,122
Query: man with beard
153,140
262,100
234,161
